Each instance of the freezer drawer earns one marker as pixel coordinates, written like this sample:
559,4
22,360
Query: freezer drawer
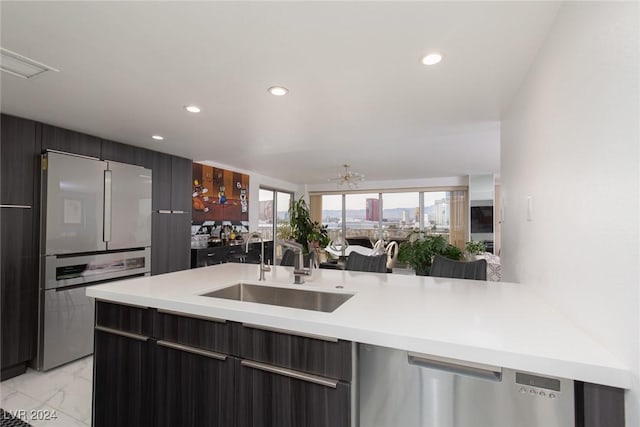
67,335
66,270
402,389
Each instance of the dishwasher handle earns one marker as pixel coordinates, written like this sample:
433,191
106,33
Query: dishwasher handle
469,369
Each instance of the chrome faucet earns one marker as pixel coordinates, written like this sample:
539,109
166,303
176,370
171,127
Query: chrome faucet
263,267
299,271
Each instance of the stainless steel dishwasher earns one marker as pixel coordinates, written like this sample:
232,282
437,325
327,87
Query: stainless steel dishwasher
404,389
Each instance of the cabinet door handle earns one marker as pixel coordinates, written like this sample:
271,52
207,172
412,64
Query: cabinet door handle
327,382
468,369
177,212
107,206
164,211
209,354
121,333
16,206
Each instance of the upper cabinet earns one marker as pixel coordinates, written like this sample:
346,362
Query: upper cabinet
161,170
124,153
171,183
54,138
181,171
19,161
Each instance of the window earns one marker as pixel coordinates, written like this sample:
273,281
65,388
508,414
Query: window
400,215
274,213
362,215
394,215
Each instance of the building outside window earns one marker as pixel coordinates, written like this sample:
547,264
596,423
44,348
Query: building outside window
395,215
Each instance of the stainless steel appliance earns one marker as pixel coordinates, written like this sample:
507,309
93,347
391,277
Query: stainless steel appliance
95,227
399,388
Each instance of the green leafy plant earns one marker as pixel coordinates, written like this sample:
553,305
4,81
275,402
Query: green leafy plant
303,229
419,250
474,248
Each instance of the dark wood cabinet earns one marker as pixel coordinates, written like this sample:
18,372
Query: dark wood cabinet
204,333
160,243
19,303
324,357
123,153
55,138
194,388
170,242
162,182
171,223
181,186
19,169
292,380
599,405
19,161
180,249
123,366
279,399
122,380
162,368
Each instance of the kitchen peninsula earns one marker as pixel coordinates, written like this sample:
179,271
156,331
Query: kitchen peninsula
499,324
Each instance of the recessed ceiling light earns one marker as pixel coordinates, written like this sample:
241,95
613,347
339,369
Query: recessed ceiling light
278,90
192,108
157,137
432,58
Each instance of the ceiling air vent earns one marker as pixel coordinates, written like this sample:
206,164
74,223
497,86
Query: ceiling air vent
21,66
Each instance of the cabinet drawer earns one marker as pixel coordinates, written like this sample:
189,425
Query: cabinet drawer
127,318
324,357
267,398
193,390
201,332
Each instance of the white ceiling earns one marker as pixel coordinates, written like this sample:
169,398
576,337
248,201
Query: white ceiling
358,92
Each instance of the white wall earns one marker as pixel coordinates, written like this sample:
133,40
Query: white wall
481,187
256,181
571,140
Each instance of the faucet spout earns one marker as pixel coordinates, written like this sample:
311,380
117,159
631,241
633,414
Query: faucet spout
263,266
298,265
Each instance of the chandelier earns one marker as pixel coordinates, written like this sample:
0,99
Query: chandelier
348,178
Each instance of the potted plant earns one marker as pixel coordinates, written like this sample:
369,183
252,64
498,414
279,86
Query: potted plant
303,229
473,248
419,250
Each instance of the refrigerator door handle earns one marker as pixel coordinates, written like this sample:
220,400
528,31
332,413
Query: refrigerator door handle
469,369
107,206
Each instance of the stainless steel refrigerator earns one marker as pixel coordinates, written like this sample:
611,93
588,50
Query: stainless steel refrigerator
95,228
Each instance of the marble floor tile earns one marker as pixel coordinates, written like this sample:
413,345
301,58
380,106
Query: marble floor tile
64,392
73,398
14,401
49,416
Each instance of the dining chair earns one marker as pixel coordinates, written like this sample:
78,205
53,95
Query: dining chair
289,259
370,263
392,254
445,267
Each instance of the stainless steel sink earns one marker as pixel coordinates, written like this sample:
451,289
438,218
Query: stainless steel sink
285,297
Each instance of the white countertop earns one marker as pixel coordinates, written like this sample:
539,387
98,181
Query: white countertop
496,323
